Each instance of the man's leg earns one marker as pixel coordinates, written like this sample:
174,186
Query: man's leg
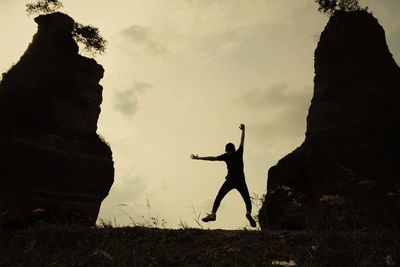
244,192
225,188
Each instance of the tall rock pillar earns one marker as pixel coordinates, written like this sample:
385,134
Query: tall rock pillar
52,161
346,174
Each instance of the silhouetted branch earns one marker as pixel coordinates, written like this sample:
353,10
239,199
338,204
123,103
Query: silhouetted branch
329,6
43,7
89,36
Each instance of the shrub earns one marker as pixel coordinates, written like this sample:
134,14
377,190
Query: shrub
43,7
329,6
89,36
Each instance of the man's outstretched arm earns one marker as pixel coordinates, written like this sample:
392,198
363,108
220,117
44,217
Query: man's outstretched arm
242,127
203,158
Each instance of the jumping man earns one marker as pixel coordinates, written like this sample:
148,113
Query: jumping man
234,179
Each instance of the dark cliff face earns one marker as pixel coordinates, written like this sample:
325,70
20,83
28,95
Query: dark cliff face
50,155
52,87
346,174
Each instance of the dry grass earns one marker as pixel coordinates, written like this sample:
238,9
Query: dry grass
48,245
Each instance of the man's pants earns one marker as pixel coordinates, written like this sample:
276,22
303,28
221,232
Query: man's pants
237,183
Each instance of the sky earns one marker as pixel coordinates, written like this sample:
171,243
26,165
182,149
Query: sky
180,77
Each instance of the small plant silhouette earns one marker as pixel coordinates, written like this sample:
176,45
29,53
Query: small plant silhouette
87,35
43,7
330,6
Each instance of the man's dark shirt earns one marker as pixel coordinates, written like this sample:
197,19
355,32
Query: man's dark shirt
234,163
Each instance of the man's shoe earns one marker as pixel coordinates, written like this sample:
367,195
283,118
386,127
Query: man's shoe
251,220
209,217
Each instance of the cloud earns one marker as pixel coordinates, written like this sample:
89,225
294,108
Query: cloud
225,43
126,101
164,185
145,37
127,191
282,109
4,4
124,201
278,95
288,124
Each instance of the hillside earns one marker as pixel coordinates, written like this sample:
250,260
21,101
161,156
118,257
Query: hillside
139,246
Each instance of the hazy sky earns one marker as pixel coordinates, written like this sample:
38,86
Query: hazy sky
180,76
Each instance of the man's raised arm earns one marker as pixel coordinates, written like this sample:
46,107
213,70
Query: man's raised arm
242,127
203,158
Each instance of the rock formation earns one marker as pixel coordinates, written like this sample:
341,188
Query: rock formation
346,174
52,162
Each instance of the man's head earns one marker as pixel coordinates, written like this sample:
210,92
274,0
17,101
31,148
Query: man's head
229,148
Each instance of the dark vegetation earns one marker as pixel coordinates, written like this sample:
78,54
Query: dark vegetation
87,35
43,7
48,245
330,6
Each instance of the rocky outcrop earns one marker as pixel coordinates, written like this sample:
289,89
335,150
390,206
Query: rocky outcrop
52,162
346,174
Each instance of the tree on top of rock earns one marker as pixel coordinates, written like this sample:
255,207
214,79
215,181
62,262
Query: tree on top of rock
329,6
86,35
89,36
43,7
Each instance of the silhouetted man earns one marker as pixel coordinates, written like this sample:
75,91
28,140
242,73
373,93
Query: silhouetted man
234,180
